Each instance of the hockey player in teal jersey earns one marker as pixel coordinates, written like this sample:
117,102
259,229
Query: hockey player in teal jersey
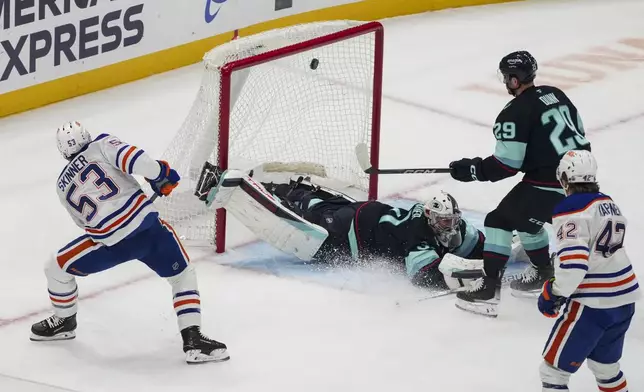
533,131
417,236
335,228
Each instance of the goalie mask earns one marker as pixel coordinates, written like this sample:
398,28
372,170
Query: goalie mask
444,217
72,137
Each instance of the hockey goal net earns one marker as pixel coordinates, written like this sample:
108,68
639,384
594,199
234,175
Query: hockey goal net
306,93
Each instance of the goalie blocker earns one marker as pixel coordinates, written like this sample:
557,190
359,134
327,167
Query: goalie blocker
316,223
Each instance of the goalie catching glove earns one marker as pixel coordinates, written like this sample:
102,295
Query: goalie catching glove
167,180
207,186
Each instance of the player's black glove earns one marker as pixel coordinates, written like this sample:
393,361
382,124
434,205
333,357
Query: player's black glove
467,170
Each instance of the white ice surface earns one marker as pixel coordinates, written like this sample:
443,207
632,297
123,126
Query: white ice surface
289,335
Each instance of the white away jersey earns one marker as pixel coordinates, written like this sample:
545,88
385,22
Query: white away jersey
99,192
593,267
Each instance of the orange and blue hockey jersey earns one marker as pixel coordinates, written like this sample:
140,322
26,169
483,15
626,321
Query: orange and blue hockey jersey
99,192
593,267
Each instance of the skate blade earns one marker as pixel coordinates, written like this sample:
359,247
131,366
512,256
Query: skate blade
479,308
60,336
526,294
196,356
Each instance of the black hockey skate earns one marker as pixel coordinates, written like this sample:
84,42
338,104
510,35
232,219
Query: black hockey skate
54,328
482,297
199,348
532,280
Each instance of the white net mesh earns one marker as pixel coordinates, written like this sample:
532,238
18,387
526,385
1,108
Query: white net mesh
288,109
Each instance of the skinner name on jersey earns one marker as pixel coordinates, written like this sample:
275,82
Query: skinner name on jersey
74,167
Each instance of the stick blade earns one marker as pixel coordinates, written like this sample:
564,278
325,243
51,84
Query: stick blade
362,153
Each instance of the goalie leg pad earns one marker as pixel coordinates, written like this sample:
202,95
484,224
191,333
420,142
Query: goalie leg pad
518,252
535,246
262,213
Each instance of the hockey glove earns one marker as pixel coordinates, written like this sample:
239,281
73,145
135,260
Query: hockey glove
430,276
549,303
167,180
467,170
208,179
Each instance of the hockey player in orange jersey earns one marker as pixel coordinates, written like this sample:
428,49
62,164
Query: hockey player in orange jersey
594,278
98,190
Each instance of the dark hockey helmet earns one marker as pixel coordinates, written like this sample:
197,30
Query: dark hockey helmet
520,65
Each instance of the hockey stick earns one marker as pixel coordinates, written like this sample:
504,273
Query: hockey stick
362,153
473,274
431,295
440,294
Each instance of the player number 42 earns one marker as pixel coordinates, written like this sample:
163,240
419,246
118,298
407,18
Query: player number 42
567,231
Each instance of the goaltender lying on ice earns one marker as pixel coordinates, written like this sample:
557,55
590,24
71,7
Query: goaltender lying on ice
436,245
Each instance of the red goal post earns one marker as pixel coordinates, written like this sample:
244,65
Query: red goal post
266,74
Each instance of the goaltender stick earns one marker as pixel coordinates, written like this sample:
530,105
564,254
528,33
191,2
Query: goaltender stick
320,224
